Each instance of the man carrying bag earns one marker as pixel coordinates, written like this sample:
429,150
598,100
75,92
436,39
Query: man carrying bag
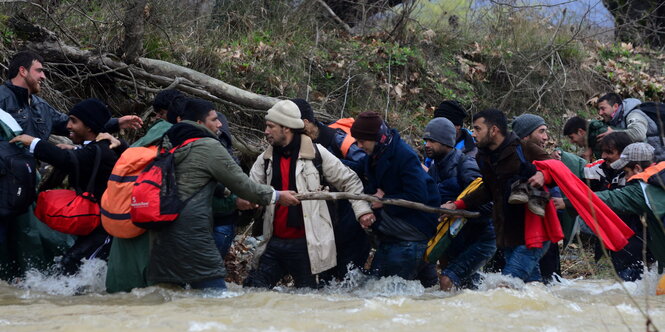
86,121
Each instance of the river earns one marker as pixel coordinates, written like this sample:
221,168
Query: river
43,303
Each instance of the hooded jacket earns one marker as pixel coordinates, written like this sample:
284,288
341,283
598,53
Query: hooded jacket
318,224
185,251
453,172
633,121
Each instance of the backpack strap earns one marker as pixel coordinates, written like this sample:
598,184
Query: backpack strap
318,163
91,182
187,141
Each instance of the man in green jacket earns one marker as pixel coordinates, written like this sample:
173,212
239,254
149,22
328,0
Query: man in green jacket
643,195
128,259
185,253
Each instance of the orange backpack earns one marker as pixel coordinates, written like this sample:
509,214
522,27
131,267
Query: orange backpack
345,125
116,201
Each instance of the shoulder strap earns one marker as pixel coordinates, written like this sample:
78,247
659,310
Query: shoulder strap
318,163
91,182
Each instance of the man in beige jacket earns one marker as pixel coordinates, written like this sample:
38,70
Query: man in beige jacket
299,240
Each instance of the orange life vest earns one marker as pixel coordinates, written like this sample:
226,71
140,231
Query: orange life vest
345,125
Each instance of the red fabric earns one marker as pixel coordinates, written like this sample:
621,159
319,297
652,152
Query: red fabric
460,204
601,219
539,229
282,230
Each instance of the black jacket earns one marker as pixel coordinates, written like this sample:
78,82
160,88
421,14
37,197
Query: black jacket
35,115
85,157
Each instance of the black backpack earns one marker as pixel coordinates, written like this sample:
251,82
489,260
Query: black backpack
18,180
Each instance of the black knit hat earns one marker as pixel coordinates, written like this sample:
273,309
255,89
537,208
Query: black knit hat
197,109
451,110
164,98
176,108
93,113
367,126
306,112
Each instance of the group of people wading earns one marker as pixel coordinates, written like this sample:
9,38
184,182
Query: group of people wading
529,201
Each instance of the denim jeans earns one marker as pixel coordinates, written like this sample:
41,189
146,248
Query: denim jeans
403,259
522,262
224,235
470,251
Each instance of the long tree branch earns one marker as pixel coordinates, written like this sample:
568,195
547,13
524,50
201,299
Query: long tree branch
330,196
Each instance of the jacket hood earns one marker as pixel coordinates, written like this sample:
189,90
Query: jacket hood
225,136
630,103
627,105
185,130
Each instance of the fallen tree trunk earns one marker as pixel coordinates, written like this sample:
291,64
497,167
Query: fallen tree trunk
329,196
156,72
214,86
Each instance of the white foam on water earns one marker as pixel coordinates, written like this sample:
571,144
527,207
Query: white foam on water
90,279
390,287
407,320
206,326
491,281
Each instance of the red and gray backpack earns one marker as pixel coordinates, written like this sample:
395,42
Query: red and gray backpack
155,202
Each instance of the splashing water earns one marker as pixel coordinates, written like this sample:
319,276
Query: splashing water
44,301
90,279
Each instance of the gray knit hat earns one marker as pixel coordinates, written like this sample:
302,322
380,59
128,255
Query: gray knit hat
441,130
285,113
525,124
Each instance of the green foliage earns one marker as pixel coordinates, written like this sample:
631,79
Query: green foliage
6,34
519,60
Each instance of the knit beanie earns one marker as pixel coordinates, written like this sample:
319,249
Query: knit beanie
451,110
306,112
367,126
164,98
441,130
286,114
197,109
93,113
525,124
176,108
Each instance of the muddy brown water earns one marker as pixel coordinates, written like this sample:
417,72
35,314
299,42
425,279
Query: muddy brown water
43,303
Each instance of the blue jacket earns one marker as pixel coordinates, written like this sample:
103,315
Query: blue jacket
467,144
452,173
35,115
397,171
